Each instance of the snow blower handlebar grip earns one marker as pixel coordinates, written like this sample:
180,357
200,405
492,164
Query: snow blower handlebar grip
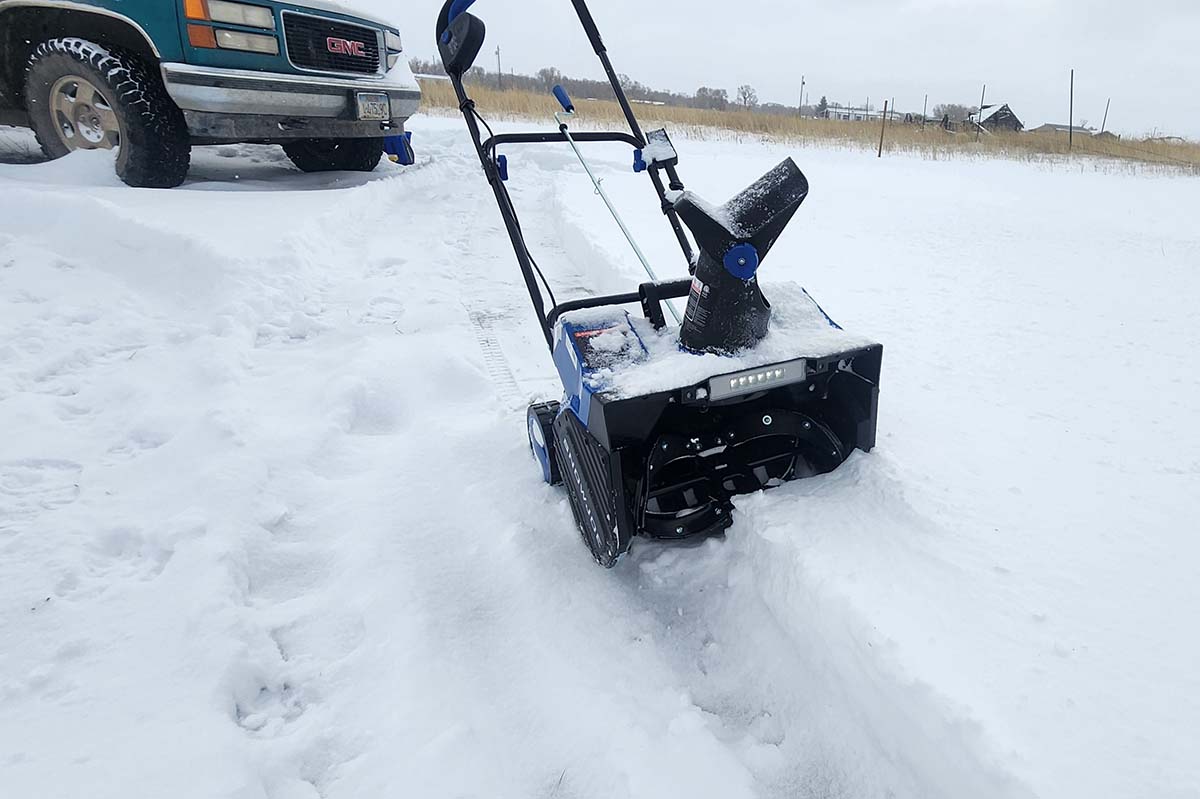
456,8
564,99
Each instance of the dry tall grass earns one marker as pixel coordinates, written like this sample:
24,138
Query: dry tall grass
931,141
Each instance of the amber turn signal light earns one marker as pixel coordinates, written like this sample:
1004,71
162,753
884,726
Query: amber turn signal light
201,36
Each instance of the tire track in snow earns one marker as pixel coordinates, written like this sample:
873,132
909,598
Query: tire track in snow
494,359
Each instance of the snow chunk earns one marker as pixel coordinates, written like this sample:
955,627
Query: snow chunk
658,150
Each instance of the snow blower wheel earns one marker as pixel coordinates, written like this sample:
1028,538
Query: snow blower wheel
649,439
541,440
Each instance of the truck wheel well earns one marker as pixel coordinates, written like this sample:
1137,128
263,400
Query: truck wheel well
23,28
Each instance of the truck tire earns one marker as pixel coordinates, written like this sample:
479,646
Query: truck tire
332,155
83,96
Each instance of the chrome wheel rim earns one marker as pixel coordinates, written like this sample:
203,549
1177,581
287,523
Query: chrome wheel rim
83,117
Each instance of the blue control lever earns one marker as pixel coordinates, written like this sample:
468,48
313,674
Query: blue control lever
564,99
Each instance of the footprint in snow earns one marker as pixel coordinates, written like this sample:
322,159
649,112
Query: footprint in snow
268,711
386,267
382,311
33,486
129,552
137,442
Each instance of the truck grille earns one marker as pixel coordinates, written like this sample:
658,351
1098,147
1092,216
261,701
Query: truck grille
312,42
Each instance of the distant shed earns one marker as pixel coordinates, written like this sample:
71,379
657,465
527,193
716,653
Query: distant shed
997,118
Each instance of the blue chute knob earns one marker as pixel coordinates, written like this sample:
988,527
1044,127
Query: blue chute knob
741,261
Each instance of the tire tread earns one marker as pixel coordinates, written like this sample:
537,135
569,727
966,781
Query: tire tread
157,140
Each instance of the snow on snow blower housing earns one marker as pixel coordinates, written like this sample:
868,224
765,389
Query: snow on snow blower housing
308,456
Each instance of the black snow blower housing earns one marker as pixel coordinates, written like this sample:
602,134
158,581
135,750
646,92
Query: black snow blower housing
661,425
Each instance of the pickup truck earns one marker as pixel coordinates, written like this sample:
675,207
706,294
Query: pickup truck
151,78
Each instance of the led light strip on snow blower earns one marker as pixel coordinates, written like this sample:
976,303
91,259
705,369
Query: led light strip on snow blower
761,379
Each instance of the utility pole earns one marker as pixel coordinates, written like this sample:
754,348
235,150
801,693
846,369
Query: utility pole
802,95
924,109
1071,121
979,116
499,71
1104,124
882,129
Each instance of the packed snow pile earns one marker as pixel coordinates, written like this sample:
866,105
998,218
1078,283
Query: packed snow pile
269,526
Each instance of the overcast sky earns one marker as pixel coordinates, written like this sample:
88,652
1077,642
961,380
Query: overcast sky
1145,55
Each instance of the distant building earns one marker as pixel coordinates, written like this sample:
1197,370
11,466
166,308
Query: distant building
845,113
851,114
1054,127
996,118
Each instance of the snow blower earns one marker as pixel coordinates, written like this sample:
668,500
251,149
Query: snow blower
661,425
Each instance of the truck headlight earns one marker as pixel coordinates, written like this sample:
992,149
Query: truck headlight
394,47
241,14
251,42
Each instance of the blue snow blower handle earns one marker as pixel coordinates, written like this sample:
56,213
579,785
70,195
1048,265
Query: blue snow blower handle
456,8
563,98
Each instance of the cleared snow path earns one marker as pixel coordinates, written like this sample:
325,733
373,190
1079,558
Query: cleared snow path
269,527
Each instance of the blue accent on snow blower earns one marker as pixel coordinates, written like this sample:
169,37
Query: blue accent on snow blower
564,99
639,163
582,367
741,261
828,318
456,8
538,445
399,149
502,166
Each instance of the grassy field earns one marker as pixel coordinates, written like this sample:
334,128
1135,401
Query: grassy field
931,141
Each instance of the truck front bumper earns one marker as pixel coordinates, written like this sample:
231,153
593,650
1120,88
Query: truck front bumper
235,105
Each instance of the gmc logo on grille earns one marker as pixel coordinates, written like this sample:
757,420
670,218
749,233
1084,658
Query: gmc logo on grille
346,47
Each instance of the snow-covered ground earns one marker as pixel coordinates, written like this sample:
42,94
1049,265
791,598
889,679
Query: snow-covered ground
269,527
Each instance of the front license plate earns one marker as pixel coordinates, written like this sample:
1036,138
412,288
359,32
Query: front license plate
374,105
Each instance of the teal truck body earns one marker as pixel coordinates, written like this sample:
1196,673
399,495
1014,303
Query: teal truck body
260,71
